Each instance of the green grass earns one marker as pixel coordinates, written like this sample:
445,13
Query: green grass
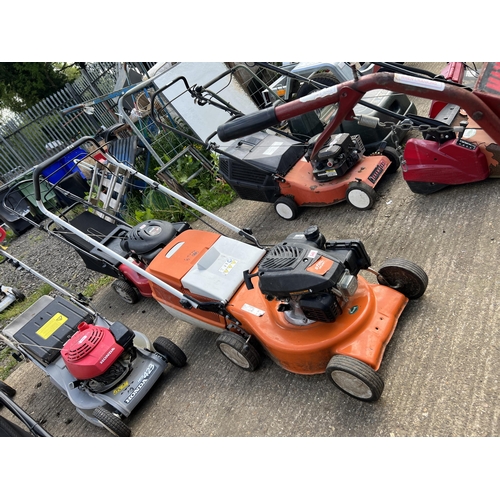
7,363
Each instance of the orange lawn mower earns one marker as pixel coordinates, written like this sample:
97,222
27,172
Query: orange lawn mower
301,301
277,167
460,142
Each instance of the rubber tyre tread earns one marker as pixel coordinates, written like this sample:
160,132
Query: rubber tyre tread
399,270
394,158
324,78
126,291
171,351
361,371
9,391
237,343
111,422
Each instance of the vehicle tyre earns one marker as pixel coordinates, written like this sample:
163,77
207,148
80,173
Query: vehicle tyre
404,276
7,389
361,195
286,208
238,351
355,378
324,78
111,422
126,291
171,351
394,157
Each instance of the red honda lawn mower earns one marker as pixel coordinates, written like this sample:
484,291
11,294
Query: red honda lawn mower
454,151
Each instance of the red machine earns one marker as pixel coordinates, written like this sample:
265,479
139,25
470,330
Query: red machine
454,151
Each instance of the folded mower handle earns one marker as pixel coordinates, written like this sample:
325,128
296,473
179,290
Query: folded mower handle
40,168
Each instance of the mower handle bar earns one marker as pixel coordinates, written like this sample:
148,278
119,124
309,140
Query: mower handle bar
348,94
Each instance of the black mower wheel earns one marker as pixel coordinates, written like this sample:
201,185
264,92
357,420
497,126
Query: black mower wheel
394,157
238,351
361,195
126,291
404,276
355,378
286,208
111,422
324,78
18,294
171,351
7,389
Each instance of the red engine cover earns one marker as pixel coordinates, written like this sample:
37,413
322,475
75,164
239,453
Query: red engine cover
90,352
448,163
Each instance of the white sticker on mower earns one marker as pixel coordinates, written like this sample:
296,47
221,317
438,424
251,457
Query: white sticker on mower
145,379
418,82
470,132
228,265
319,94
253,310
272,148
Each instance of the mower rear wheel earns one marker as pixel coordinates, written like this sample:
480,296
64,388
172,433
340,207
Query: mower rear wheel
238,351
394,157
286,208
171,351
126,291
111,422
355,378
361,195
7,389
404,276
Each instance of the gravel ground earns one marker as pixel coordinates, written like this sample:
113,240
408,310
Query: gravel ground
48,256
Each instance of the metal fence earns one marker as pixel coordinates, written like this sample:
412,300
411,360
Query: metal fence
28,138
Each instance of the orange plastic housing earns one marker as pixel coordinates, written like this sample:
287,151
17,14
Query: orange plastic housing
297,182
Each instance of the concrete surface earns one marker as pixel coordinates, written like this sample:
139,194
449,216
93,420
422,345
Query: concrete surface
441,369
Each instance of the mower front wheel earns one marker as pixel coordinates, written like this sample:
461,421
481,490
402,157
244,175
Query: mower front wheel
126,291
286,208
18,294
355,378
171,351
238,351
404,276
111,422
361,195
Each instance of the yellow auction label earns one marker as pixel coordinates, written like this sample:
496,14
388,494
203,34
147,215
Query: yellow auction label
52,325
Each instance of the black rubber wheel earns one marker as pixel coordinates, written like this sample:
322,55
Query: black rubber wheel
404,276
394,157
7,389
286,208
324,78
355,378
238,351
361,195
171,351
126,291
111,422
18,294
